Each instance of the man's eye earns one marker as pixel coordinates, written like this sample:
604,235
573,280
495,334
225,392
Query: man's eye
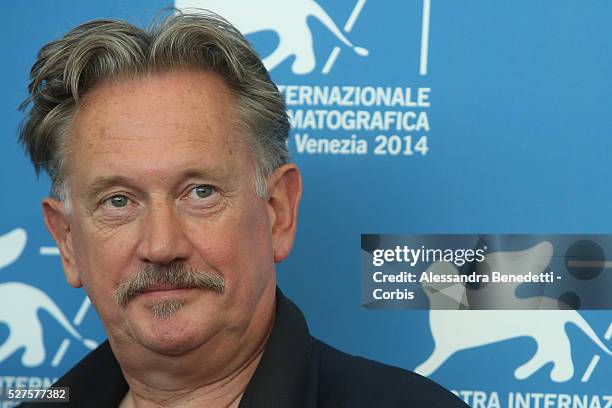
203,191
117,201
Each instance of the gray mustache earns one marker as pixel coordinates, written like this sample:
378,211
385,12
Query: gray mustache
177,275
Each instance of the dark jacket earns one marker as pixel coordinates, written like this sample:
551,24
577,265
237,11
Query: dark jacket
296,370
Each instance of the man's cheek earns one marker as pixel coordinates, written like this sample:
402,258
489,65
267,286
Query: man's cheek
98,267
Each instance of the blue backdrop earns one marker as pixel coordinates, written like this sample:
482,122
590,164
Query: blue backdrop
511,134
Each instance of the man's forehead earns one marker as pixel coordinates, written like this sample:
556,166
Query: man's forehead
186,105
185,98
163,124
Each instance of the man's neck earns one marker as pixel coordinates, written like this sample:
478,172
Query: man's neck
225,393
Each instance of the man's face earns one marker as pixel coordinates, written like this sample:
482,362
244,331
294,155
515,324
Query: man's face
157,175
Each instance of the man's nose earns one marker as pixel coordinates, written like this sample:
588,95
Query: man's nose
163,239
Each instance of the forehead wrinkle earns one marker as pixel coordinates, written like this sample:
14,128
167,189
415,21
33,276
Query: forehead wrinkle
111,131
190,133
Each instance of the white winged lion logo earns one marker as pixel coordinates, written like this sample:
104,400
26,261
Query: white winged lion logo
288,18
456,330
19,307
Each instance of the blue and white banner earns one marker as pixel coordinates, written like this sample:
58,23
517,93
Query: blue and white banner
409,117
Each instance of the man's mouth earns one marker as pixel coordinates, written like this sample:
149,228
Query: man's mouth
165,288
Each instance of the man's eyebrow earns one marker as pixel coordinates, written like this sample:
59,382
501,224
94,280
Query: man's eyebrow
102,183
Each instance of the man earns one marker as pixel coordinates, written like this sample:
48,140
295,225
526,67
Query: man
172,199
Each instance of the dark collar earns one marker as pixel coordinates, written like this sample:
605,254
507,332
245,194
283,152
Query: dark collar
285,376
96,381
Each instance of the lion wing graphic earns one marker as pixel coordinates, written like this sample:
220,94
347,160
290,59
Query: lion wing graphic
287,18
19,307
456,330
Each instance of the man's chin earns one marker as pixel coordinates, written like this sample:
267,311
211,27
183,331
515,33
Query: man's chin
165,324
168,335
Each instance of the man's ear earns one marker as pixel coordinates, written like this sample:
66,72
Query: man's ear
284,192
58,225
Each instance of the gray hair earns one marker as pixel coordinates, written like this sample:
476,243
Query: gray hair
66,69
